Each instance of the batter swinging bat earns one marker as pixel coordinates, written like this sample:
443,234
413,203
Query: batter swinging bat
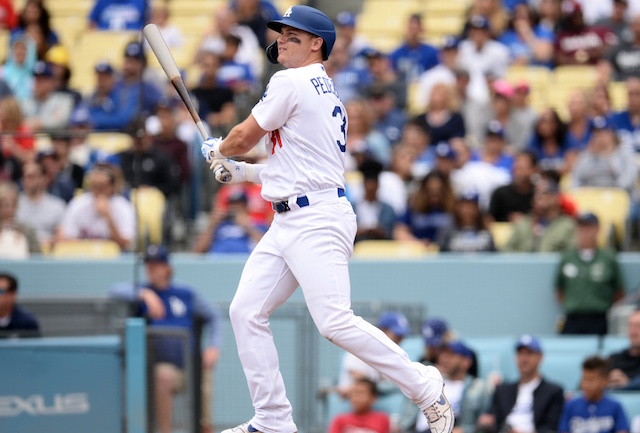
161,50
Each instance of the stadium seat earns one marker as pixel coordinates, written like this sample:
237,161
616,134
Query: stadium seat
630,401
109,142
501,232
456,8
585,346
436,26
537,77
572,77
612,206
392,249
79,8
563,368
86,249
194,8
92,47
614,343
69,28
494,355
618,95
192,24
150,205
4,46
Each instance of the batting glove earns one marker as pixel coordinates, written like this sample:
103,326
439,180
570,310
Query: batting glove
229,171
211,149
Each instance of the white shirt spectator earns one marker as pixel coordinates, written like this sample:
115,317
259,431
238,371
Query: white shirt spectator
521,417
492,59
82,221
481,177
42,215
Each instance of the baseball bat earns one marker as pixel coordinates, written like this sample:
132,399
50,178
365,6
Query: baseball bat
161,50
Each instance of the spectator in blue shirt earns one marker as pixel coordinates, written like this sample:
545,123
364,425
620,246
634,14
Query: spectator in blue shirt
579,124
627,123
493,151
14,321
109,108
167,304
118,14
593,412
414,57
139,90
389,119
529,43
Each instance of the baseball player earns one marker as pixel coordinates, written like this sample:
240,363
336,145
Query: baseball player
311,238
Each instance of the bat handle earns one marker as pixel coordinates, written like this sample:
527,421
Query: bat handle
202,130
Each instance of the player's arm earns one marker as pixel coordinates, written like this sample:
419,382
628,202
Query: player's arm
242,138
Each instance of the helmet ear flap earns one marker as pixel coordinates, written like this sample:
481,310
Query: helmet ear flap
272,52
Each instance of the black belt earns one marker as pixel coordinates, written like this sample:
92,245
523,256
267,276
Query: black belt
302,201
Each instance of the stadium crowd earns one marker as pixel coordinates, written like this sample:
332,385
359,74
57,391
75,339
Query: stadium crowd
442,144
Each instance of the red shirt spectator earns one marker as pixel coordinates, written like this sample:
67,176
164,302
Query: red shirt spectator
8,18
577,43
259,209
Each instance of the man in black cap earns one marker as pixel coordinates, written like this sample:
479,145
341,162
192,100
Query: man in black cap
14,321
588,281
167,304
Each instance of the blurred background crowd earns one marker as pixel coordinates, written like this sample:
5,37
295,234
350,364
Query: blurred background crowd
474,125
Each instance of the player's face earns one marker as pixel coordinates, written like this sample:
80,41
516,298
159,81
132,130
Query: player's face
296,47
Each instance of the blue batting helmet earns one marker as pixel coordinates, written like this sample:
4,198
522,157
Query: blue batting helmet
310,20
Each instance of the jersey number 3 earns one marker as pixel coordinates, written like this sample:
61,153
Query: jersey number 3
337,112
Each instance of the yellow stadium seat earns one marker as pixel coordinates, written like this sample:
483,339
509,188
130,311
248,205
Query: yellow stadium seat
444,26
92,47
193,7
69,28
192,24
383,25
79,8
283,5
536,76
110,142
150,205
392,249
402,8
501,232
86,249
572,77
612,206
4,46
456,8
618,95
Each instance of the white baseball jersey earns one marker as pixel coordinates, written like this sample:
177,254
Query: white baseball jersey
307,138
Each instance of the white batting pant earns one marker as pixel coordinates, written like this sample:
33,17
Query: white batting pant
311,247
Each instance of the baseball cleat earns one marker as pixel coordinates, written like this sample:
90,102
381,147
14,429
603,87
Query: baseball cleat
440,415
242,428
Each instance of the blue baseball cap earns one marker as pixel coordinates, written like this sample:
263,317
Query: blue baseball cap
134,49
459,348
103,67
479,22
495,129
434,331
588,218
450,43
42,69
529,342
396,323
346,19
469,195
601,123
444,150
80,116
156,254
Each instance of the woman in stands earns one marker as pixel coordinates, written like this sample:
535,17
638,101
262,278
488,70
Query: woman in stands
550,144
429,214
441,119
469,233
